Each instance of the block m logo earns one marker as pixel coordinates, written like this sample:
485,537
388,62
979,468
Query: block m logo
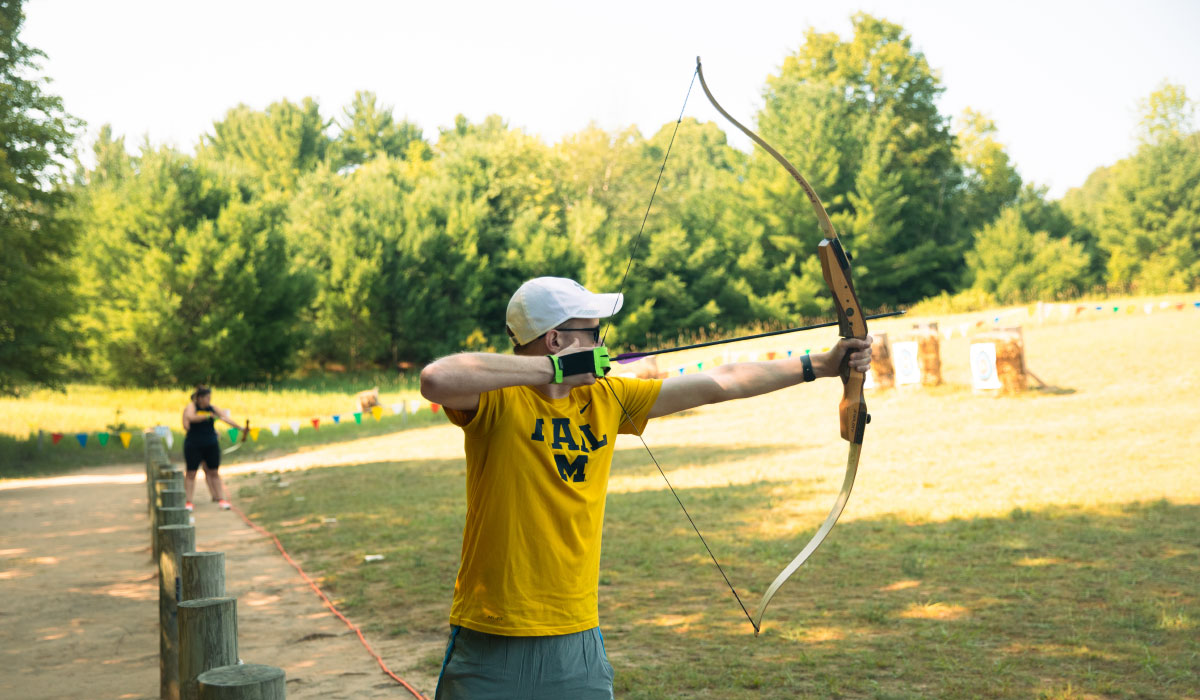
571,471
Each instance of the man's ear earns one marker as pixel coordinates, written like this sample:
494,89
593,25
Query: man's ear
553,341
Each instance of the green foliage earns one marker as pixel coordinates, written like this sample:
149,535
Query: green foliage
1167,114
369,130
1141,215
185,278
36,236
1014,264
990,181
968,300
1150,223
274,147
859,119
285,241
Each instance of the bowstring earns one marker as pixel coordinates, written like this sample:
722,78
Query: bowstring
638,239
629,266
712,556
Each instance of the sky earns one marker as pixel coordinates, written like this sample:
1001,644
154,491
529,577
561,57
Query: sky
1061,80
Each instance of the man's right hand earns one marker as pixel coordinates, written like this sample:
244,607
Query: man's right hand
576,379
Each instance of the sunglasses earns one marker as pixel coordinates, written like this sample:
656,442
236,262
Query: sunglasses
595,331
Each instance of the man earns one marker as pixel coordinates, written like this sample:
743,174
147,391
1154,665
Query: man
539,437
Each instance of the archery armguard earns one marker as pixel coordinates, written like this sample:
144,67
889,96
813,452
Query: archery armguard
594,362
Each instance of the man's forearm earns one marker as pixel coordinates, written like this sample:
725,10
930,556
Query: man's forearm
745,379
474,373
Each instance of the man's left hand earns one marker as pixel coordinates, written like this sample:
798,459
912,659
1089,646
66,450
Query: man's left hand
860,355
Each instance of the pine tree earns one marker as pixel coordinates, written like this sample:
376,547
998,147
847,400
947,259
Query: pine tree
36,235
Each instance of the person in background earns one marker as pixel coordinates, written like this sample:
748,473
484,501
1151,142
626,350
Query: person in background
201,445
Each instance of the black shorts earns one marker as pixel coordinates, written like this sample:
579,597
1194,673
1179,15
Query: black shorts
207,452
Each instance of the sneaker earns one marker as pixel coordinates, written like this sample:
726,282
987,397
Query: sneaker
225,505
189,506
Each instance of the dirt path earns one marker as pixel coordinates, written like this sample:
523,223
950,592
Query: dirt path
79,599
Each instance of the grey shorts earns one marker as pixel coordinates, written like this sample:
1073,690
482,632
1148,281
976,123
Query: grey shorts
482,666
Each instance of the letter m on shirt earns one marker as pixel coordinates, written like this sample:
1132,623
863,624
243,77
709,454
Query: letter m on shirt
571,471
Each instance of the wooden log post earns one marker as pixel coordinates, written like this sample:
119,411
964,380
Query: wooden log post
207,640
1010,357
172,481
173,542
151,441
203,575
929,352
882,370
244,682
171,499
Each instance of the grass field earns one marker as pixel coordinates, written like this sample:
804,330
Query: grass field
1043,545
90,409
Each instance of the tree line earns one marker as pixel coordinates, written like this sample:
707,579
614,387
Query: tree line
293,238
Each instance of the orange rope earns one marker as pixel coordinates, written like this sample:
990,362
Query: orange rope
329,604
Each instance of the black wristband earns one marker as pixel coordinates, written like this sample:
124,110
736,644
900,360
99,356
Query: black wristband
809,374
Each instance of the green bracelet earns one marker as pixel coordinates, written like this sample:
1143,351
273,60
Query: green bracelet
556,367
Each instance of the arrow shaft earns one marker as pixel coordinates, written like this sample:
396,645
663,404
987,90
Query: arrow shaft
631,356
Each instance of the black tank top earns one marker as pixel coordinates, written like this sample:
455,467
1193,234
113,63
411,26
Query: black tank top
202,430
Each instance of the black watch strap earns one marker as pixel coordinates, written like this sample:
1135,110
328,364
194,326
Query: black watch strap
809,374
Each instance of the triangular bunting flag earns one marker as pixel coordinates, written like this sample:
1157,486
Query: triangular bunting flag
358,417
82,438
337,420
233,434
254,434
125,438
274,428
103,438
295,426
434,407
376,412
316,423
398,408
414,406
55,437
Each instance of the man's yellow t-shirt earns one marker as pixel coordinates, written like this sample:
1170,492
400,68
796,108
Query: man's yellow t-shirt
537,475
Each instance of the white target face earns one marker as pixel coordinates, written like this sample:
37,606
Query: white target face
983,366
907,362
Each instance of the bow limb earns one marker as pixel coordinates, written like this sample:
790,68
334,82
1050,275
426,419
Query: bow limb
237,445
852,411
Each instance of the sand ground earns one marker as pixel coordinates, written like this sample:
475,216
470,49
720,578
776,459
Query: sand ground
79,595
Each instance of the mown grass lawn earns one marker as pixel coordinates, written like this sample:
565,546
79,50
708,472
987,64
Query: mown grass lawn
1044,545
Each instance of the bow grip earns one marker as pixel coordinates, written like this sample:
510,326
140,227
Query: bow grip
852,410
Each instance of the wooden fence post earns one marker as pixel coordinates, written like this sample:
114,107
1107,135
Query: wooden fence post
173,482
203,575
207,639
243,682
171,499
151,441
173,541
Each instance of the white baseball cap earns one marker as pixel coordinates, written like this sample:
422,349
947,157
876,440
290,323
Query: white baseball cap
543,303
